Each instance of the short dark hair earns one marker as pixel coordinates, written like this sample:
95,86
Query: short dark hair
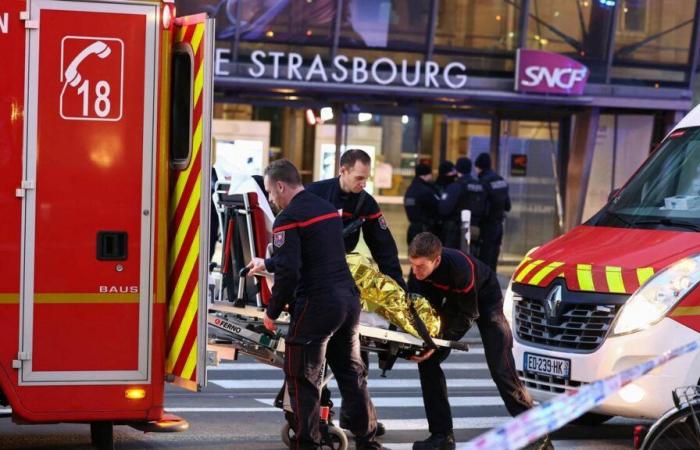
352,155
425,245
283,170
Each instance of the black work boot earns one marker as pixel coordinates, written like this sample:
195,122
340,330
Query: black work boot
436,441
543,443
381,431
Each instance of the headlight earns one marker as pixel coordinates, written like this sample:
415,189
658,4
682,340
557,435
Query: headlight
508,304
652,301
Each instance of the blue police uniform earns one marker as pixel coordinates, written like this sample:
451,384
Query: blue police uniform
491,226
374,227
465,193
421,204
464,290
312,277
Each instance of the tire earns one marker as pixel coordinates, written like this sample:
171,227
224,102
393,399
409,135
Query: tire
591,419
336,439
102,435
678,431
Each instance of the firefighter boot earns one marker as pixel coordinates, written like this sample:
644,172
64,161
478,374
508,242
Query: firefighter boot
436,441
543,443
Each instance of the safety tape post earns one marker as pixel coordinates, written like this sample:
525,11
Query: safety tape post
551,415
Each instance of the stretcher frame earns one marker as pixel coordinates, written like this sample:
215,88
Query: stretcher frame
238,325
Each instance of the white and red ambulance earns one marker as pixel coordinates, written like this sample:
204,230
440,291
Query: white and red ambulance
104,130
619,289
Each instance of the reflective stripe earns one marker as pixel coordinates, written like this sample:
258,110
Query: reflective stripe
86,298
585,277
686,311
528,269
643,274
305,223
9,298
614,277
544,272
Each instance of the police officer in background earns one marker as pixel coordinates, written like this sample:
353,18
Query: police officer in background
447,174
465,193
312,277
421,203
361,212
463,290
498,200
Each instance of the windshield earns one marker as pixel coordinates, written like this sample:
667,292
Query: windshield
664,193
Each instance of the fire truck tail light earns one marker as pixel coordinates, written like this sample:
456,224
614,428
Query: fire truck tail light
168,16
135,394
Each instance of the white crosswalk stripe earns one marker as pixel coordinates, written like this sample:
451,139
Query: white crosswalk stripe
372,383
414,402
236,366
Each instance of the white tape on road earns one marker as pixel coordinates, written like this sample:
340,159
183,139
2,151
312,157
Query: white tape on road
235,367
219,410
562,409
415,402
373,384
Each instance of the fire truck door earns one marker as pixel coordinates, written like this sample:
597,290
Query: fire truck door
190,201
88,165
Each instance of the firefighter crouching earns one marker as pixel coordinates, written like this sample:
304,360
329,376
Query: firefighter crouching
465,193
498,200
421,203
463,290
312,277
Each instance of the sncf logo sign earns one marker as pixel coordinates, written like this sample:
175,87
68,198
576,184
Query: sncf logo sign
549,73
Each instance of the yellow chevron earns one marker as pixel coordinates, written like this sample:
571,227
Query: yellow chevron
528,269
197,37
182,178
198,84
522,263
183,329
585,277
644,273
181,231
613,275
544,272
181,34
67,297
686,311
6,299
187,268
197,137
191,363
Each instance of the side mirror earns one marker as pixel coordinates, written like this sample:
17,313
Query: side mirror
613,194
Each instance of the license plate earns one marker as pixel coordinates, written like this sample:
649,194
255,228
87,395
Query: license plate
547,366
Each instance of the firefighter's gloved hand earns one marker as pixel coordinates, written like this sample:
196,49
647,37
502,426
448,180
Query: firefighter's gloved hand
269,323
256,266
425,354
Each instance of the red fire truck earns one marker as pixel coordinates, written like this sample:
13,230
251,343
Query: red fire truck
104,206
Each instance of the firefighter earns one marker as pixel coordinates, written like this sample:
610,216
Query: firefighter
312,277
465,193
421,202
360,212
498,200
463,290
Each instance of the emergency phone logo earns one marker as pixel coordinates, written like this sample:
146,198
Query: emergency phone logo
92,78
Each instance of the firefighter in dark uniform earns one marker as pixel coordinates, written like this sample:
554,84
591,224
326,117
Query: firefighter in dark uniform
465,193
421,203
463,290
360,212
498,200
312,277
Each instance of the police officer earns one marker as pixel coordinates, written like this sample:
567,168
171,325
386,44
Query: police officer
421,201
447,174
491,226
465,193
312,277
463,290
361,212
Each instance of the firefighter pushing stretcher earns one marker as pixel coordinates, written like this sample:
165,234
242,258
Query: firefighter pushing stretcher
313,279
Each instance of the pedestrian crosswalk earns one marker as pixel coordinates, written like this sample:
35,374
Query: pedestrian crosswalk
474,399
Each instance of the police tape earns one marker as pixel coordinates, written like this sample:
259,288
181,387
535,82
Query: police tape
557,412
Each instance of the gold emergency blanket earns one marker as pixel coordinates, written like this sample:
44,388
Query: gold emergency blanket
382,295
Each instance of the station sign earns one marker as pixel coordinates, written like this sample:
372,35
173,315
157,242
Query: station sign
549,73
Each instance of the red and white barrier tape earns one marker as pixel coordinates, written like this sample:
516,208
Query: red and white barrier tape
557,412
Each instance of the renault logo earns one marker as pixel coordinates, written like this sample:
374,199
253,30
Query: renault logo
553,302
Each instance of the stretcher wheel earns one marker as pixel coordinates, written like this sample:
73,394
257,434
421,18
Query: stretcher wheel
334,440
102,435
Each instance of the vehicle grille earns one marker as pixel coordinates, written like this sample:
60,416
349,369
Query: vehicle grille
548,383
581,327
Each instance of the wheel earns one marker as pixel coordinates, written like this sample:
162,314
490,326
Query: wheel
287,435
591,419
678,431
335,439
102,435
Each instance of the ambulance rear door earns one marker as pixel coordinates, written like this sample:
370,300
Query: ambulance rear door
190,201
88,192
